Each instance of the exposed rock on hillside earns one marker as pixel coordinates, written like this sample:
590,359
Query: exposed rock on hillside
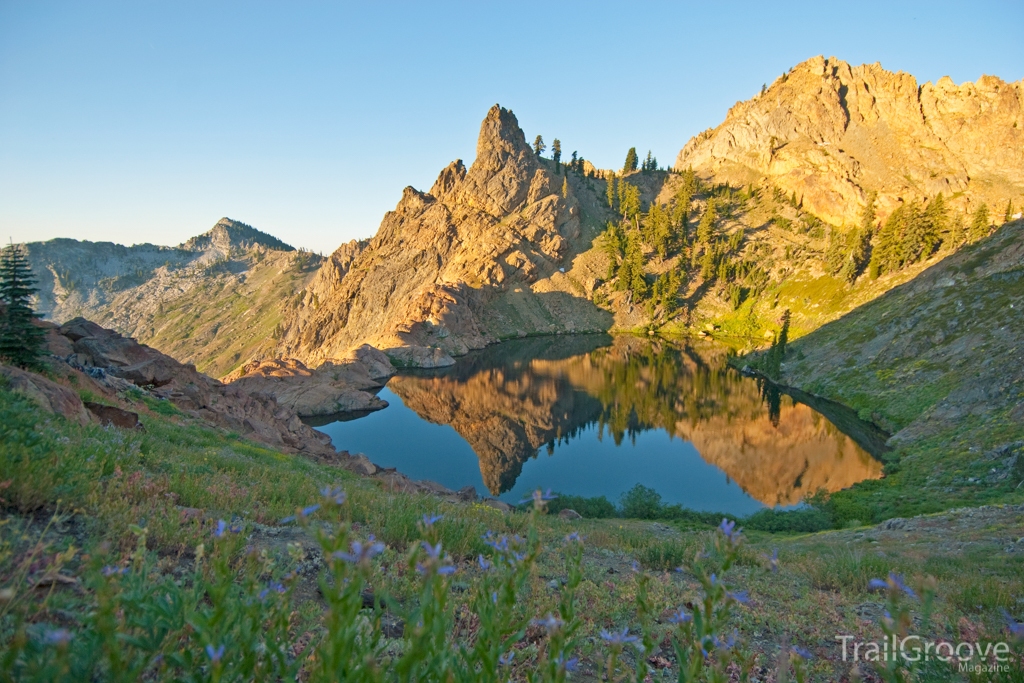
461,266
101,352
337,386
831,133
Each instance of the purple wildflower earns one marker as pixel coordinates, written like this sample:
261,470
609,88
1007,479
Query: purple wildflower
58,636
740,597
111,570
551,623
446,569
428,520
574,537
302,514
801,652
334,495
567,664
433,551
635,566
222,527
494,597
506,658
1015,627
484,563
272,586
877,585
361,552
539,498
680,617
726,527
774,560
897,581
726,644
616,638
501,545
215,653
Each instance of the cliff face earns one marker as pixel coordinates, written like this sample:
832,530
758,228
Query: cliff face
831,133
467,263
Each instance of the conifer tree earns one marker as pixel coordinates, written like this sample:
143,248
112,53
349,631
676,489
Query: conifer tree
538,145
956,231
631,273
835,252
706,227
631,161
610,191
572,161
629,200
556,153
980,223
565,187
21,342
1009,211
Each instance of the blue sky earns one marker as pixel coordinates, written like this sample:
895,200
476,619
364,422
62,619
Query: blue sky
147,122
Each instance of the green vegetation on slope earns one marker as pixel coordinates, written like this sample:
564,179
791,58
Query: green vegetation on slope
939,362
113,566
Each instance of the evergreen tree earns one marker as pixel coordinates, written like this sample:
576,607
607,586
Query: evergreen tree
835,252
629,200
538,145
920,236
858,243
21,342
631,273
613,243
565,187
937,215
1009,211
649,163
610,191
887,255
631,161
777,353
867,214
556,152
706,227
572,161
979,223
658,229
956,231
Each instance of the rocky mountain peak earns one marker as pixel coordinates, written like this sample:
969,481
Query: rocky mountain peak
227,235
831,133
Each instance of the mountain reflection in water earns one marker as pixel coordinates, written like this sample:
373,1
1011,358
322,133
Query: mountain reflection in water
571,395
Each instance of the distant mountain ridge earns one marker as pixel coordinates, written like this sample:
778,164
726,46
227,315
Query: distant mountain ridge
214,300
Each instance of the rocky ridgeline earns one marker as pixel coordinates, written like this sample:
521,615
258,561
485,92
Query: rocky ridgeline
831,133
474,260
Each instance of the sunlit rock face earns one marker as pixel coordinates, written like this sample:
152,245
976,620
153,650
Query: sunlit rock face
507,404
830,132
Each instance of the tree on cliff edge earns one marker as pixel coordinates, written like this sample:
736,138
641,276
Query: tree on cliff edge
538,145
631,161
21,342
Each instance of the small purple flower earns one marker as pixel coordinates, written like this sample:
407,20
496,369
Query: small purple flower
801,652
215,653
877,585
740,597
494,597
446,569
433,551
272,586
501,545
361,552
111,570
616,638
680,617
635,566
567,664
773,561
539,498
714,580
574,537
551,623
506,658
302,514
334,495
897,581
1015,627
428,520
221,529
484,563
726,644
58,636
726,527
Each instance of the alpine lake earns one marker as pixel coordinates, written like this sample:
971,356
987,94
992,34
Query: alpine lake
592,415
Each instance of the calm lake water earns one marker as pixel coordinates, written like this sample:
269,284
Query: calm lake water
591,416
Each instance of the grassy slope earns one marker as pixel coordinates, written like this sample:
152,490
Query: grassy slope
88,485
938,361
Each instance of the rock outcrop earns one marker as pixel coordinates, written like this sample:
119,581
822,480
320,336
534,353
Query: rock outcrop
830,133
100,352
458,267
337,386
46,394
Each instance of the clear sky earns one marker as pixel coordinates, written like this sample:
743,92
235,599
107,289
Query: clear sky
148,121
